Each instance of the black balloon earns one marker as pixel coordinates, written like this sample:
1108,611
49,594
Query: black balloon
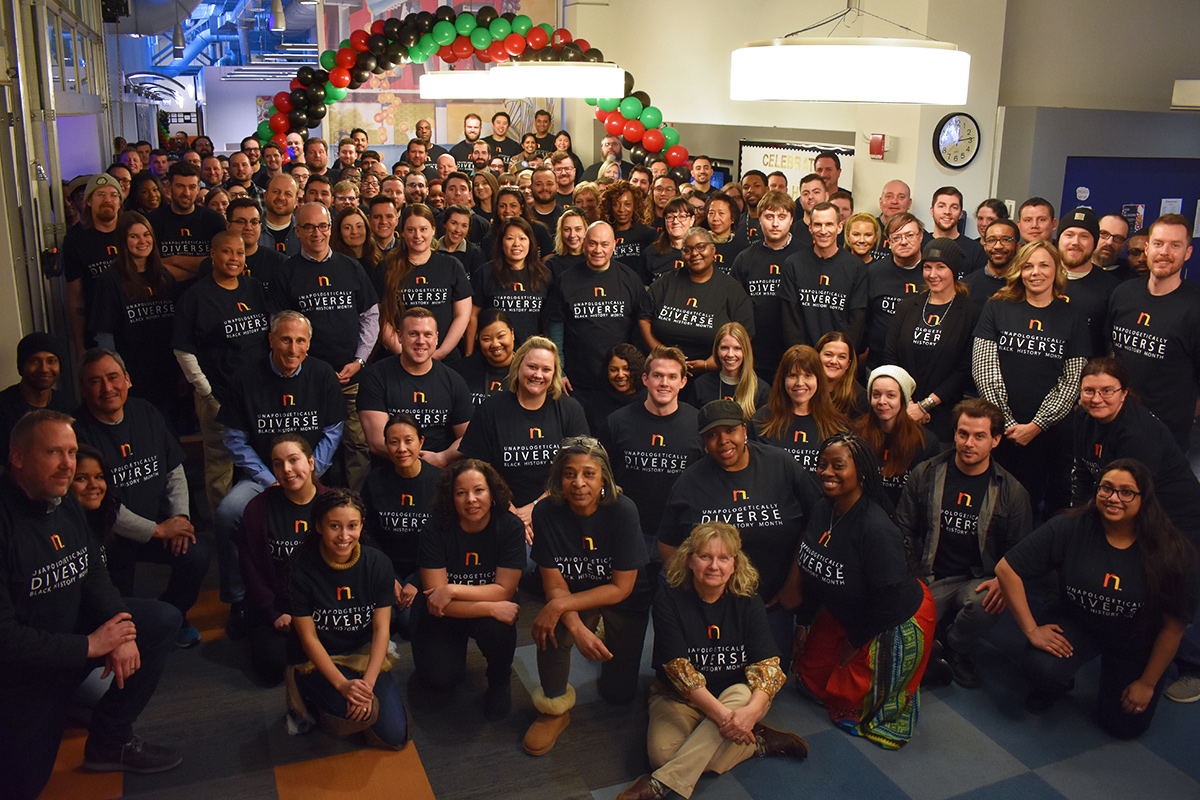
392,27
360,76
316,97
366,61
299,98
628,145
395,51
355,84
681,174
572,52
508,16
593,55
549,54
628,83
383,65
409,36
306,75
322,77
642,98
486,16
637,154
315,115
445,13
410,18
298,118
425,22
377,43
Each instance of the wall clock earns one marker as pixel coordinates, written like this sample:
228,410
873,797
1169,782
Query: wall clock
956,140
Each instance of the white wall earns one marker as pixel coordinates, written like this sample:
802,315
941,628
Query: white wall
229,111
692,86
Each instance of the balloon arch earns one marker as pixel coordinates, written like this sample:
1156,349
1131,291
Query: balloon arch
488,36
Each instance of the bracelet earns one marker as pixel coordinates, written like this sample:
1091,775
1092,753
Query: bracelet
926,404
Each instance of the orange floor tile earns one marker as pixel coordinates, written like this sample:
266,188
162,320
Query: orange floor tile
367,774
209,616
70,781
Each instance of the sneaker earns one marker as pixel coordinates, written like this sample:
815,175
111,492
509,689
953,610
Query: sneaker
238,625
963,669
937,673
187,637
1185,690
135,755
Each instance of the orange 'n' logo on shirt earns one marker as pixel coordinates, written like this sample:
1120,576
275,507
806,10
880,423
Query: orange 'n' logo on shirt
322,280
1144,319
1116,581
657,439
823,280
934,319
1099,449
496,386
588,544
714,632
773,269
824,540
535,433
185,232
1035,323
964,499
420,279
243,307
301,526
598,292
910,288
289,400
56,540
800,436
112,251
740,494
471,560
345,589
418,397
406,500
518,287
126,450
691,301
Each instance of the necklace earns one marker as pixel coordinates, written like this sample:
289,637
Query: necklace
353,559
834,519
934,320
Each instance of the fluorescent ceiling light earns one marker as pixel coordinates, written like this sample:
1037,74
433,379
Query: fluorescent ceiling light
850,70
504,81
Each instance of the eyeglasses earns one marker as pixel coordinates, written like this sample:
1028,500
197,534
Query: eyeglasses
678,217
1117,239
346,198
991,240
901,238
1124,495
1106,393
687,250
246,223
1136,251
309,227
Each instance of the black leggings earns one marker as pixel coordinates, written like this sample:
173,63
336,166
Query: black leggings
439,648
1056,676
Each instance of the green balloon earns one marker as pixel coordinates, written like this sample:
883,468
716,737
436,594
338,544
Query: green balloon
609,103
480,38
333,94
465,23
328,60
548,28
670,136
343,43
417,55
522,24
264,130
591,101
631,108
500,28
651,117
444,32
427,43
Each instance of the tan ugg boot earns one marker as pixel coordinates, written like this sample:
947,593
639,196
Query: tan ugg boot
554,716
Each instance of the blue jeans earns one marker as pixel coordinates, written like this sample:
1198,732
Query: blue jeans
226,520
392,724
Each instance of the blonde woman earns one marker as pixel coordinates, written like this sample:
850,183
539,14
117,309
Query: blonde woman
735,378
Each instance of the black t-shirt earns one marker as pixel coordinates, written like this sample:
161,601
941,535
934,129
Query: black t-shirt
893,485
550,219
13,407
983,284
958,552
687,314
471,559
461,153
505,148
1089,297
648,454
86,254
438,400
748,228
185,234
974,256
281,237
767,502
342,603
1032,344
887,284
471,258
521,443
727,253
720,639
482,379
823,293
1158,340
263,264
545,144
855,567
1104,586
759,270
225,329
713,386
655,264
332,294
598,309
519,299
265,404
397,510
141,329
801,438
140,452
287,523
630,243
436,285
588,550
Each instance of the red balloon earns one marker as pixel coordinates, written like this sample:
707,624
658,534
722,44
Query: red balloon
514,43
279,122
339,77
634,130
653,140
561,37
446,51
347,57
537,38
497,52
449,59
483,55
358,40
677,156
463,47
280,139
377,26
614,123
296,84
283,102
601,114
583,44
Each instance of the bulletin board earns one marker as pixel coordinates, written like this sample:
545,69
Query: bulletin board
793,159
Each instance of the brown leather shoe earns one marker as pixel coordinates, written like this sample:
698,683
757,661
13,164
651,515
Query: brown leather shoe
642,789
544,732
781,743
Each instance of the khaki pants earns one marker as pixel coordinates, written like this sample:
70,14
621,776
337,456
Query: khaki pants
218,463
356,458
683,744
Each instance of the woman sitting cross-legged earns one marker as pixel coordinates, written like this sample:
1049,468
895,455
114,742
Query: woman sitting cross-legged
717,665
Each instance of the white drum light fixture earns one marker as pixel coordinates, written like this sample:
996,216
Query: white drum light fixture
850,69
504,81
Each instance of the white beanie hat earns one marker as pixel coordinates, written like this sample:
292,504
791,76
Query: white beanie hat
899,375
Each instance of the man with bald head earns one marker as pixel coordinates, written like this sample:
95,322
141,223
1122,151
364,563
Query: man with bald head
591,307
424,130
445,165
896,198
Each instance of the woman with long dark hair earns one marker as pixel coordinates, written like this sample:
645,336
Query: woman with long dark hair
516,281
484,187
799,414
562,144
664,256
866,651
512,202
414,274
621,384
840,364
486,369
351,235
1127,589
625,207
145,194
898,441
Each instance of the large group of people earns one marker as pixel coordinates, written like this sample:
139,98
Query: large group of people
801,440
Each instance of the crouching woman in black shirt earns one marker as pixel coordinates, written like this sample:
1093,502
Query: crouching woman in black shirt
717,665
1127,590
341,595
